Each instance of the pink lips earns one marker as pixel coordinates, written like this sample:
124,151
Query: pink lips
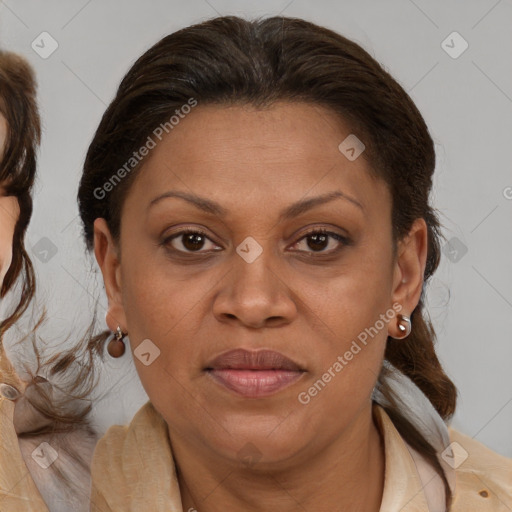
254,374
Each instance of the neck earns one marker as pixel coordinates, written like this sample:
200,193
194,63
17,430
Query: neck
348,474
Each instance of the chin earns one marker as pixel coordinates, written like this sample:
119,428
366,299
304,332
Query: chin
268,441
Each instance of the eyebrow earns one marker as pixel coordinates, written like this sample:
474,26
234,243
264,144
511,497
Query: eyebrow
213,208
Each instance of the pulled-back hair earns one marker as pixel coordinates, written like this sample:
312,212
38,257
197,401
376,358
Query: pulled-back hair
229,60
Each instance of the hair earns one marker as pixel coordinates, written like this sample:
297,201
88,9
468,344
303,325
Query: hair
63,406
18,168
228,60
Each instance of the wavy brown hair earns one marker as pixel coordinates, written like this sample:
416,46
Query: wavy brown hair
18,168
229,60
48,412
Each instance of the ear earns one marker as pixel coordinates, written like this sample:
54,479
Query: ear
106,253
409,268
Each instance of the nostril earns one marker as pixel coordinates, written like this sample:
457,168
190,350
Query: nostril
9,392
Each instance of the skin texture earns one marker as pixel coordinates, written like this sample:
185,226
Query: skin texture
293,298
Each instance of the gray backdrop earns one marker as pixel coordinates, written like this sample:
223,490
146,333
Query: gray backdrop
81,49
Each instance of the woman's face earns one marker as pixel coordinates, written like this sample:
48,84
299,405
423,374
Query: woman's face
9,213
255,281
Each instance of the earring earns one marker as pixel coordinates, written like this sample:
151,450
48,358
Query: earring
404,326
116,345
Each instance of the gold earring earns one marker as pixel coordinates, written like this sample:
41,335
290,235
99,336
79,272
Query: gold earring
116,345
404,326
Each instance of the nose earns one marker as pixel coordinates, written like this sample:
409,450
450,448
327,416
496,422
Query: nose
255,293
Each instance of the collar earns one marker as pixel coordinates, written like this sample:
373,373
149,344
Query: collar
133,468
410,483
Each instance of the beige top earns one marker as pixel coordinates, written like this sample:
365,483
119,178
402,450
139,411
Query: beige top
18,492
133,470
29,467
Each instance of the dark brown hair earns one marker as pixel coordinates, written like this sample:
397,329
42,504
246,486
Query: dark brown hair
18,168
230,60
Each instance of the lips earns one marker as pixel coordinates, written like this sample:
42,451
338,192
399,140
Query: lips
241,359
254,374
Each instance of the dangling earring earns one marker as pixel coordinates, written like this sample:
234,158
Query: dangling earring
404,326
116,345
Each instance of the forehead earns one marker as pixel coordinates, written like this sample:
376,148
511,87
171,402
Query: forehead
279,153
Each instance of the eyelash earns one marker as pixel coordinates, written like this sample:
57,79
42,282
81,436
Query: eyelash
314,231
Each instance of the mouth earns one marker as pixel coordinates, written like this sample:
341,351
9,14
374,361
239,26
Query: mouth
254,374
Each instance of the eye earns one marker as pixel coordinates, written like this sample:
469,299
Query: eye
9,392
193,240
189,240
319,239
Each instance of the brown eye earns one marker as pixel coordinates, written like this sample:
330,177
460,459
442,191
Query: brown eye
193,241
318,240
9,392
189,241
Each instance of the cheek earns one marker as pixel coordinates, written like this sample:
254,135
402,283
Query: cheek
339,394
354,311
161,304
354,297
169,311
8,216
5,261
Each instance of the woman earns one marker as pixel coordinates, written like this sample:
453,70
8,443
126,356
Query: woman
45,439
257,198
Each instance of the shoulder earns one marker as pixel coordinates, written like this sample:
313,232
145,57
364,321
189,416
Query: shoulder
484,477
119,437
132,462
18,492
